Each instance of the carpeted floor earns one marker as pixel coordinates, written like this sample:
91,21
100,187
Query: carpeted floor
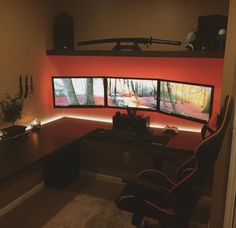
88,203
94,213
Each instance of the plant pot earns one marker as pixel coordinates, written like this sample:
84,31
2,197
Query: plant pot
13,131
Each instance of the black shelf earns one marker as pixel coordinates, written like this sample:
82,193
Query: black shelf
183,54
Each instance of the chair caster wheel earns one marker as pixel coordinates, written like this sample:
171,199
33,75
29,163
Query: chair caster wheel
137,219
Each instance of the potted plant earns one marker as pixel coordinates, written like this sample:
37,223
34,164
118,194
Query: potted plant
11,108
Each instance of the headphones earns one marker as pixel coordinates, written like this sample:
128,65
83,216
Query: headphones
190,37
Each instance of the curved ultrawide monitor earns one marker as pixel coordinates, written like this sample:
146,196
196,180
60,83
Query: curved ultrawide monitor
186,100
132,93
78,91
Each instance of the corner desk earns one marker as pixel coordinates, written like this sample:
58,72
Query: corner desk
57,145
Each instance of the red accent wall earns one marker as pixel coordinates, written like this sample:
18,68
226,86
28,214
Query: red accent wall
195,70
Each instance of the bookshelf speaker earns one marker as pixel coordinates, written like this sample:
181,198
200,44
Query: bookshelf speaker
207,37
63,32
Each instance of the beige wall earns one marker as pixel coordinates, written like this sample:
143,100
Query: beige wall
228,86
25,34
229,81
169,19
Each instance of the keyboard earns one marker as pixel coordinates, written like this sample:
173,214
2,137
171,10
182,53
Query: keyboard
123,134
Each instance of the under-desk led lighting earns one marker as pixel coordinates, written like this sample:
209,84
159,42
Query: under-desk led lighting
109,120
48,120
93,118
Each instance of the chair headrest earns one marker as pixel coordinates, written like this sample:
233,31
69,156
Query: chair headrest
225,111
217,121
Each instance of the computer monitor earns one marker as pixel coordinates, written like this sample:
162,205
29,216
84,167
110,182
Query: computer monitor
132,93
186,100
78,91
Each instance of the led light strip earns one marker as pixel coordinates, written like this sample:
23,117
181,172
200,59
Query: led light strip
109,120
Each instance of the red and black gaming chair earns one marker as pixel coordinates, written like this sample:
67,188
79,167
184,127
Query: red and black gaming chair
152,194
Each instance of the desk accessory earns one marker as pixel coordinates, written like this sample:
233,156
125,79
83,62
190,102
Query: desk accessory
170,130
13,132
13,138
35,125
146,138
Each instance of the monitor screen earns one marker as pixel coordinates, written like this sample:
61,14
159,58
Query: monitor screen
132,93
78,91
186,100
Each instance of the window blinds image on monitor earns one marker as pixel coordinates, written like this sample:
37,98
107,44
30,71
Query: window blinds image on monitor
78,91
186,100
133,93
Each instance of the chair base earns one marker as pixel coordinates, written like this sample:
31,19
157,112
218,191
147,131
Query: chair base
137,219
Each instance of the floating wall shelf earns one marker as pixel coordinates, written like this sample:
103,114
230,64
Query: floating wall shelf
184,54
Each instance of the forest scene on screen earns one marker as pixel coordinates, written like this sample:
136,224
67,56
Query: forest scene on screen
135,93
78,91
185,99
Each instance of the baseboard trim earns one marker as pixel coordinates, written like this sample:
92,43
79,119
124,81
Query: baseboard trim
21,199
102,177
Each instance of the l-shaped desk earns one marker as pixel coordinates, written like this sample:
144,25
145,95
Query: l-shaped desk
56,146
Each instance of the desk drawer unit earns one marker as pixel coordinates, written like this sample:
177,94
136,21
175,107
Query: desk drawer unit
113,159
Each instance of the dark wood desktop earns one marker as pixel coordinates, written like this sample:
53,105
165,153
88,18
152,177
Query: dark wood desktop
60,140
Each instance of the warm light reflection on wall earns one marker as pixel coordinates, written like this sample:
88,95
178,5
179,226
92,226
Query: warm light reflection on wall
195,70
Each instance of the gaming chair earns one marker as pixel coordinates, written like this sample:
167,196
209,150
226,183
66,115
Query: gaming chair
152,194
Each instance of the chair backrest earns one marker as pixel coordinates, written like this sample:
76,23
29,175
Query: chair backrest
184,195
208,150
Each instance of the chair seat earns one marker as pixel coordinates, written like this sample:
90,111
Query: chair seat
144,200
145,206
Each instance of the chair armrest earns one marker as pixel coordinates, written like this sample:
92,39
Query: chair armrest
156,177
145,184
189,164
206,128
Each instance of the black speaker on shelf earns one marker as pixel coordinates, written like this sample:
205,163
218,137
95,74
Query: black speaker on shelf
208,37
63,32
